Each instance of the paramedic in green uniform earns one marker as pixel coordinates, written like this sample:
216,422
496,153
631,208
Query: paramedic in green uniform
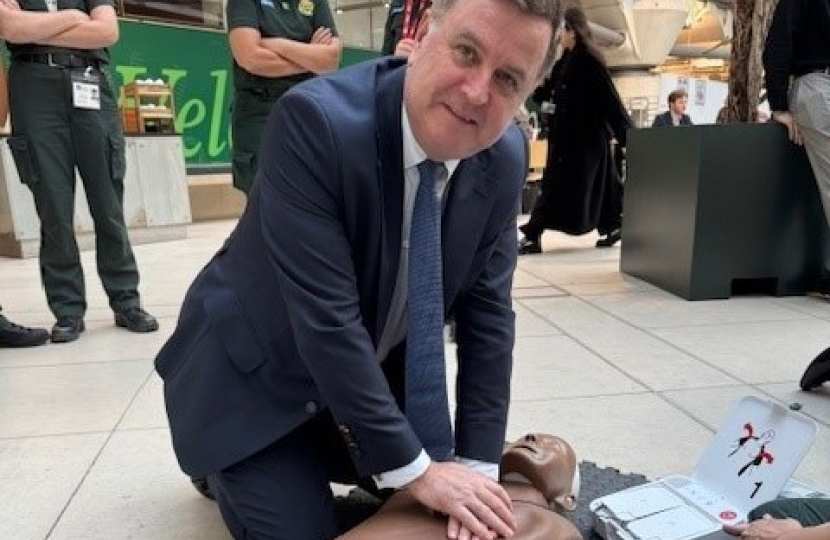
63,117
275,44
11,334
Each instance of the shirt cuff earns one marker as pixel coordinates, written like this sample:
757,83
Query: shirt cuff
397,478
486,468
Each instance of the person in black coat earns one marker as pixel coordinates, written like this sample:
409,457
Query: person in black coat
581,187
797,74
676,115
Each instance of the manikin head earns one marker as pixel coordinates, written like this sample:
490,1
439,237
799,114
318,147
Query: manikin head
546,462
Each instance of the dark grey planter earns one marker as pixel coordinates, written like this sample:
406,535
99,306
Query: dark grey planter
709,208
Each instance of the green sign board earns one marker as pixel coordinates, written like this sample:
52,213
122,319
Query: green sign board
196,64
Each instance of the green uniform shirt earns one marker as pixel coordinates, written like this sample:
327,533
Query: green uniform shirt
293,19
40,5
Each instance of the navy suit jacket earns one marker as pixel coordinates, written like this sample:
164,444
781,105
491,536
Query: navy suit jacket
285,319
665,119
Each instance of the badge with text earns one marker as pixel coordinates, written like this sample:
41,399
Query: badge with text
86,89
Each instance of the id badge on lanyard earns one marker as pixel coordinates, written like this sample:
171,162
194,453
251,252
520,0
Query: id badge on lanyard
86,89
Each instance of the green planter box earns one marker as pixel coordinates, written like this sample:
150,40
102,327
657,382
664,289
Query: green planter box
711,208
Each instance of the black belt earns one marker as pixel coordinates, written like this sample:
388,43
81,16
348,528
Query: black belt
266,93
63,60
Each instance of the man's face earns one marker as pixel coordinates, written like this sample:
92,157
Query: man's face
467,77
678,106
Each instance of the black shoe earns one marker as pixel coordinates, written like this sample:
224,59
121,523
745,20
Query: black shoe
529,247
201,485
817,373
67,329
136,320
610,239
14,335
820,287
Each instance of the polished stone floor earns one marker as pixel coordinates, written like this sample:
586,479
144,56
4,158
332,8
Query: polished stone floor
632,376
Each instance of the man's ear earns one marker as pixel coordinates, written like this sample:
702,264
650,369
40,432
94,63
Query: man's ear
412,57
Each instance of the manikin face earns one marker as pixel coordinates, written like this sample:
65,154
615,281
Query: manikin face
548,463
468,76
678,107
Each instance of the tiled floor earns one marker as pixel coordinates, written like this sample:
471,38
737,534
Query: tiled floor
632,376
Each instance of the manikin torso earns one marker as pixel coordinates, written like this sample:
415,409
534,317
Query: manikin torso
539,472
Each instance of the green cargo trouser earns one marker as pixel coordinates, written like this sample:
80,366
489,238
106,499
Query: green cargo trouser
808,511
50,137
250,112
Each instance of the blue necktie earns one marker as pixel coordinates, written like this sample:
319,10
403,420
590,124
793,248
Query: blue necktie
427,406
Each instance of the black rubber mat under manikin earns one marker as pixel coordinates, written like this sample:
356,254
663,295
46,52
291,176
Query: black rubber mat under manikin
597,482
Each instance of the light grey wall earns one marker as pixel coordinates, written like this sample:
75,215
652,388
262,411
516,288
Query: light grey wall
362,27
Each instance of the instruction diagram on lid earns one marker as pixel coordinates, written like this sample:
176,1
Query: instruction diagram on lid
752,457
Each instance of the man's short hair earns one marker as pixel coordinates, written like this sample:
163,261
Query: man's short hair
677,94
551,10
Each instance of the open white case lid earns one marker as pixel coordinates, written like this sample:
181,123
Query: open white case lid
755,452
751,459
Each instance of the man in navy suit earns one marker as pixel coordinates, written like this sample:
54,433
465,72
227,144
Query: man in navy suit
285,371
676,115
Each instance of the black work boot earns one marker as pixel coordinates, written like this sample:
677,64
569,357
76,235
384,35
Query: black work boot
67,329
136,319
14,335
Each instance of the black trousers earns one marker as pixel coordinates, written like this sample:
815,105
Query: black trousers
283,492
50,139
808,511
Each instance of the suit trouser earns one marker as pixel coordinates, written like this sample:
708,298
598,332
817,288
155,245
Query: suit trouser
809,511
283,491
810,105
50,137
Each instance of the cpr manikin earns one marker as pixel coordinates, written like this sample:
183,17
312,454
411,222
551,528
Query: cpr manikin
539,473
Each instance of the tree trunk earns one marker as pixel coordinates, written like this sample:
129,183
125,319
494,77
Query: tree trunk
751,23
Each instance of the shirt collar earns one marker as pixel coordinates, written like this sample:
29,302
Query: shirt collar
413,154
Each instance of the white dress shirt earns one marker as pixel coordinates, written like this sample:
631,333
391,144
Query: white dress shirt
394,330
